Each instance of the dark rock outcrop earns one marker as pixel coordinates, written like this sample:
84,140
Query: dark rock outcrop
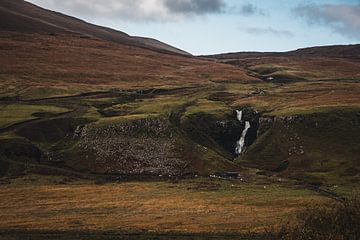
146,146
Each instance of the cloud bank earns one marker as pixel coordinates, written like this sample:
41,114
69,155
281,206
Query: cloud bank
135,10
342,18
146,10
250,9
194,6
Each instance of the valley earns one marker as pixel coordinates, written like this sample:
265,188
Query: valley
106,135
173,140
194,128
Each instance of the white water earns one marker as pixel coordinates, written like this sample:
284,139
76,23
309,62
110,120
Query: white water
241,143
239,115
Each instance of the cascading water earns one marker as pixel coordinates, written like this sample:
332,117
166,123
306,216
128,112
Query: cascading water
241,143
239,115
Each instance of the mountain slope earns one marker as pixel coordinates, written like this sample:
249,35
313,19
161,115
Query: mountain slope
35,60
21,16
43,48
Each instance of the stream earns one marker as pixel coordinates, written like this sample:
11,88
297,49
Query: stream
240,144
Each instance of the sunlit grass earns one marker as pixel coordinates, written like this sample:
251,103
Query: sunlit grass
196,205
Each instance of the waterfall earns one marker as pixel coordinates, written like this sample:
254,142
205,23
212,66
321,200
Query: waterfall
241,143
239,115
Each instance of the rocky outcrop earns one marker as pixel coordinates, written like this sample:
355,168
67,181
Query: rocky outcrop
222,135
146,146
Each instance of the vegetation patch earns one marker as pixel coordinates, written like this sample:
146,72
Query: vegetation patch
331,221
214,108
199,205
15,113
52,130
20,150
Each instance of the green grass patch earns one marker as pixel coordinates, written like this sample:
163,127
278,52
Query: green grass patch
159,105
288,111
267,69
15,113
215,108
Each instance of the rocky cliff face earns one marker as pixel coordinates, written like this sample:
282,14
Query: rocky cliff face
223,134
146,146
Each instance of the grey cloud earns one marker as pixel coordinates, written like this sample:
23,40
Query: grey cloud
250,9
195,6
135,10
269,31
342,18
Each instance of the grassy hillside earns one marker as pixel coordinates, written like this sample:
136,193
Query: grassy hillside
47,64
157,131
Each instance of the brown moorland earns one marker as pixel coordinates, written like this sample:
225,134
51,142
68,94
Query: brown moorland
317,63
186,206
44,60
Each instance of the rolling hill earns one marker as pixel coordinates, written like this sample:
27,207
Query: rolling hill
315,63
41,48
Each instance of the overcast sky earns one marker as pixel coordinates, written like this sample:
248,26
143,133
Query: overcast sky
217,26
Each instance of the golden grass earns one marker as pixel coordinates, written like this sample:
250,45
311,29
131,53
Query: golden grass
310,68
69,60
201,205
302,98
157,105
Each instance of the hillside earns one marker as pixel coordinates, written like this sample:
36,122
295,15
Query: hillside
313,64
21,16
37,60
68,86
105,135
41,48
59,72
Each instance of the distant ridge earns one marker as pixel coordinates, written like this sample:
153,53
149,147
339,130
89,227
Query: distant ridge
339,51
